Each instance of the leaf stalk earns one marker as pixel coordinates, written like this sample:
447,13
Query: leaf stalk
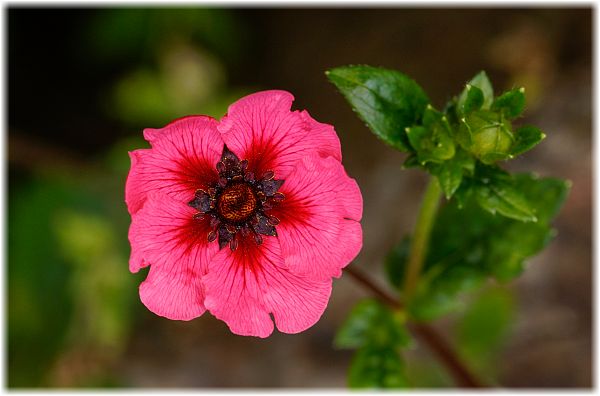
420,239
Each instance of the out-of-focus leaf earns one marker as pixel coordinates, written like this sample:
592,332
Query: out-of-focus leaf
135,34
511,103
439,288
395,263
526,138
485,325
412,161
374,367
431,116
141,97
101,289
379,333
387,100
372,323
39,303
469,244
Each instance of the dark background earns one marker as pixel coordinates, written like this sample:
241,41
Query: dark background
82,84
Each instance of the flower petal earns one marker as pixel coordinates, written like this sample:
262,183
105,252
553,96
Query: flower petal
182,159
262,129
164,234
244,286
319,230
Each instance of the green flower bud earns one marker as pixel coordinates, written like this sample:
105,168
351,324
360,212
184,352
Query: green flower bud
433,143
486,135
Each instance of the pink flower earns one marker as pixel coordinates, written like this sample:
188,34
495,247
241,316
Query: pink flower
246,217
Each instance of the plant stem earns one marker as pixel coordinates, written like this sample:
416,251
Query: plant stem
420,238
369,284
436,343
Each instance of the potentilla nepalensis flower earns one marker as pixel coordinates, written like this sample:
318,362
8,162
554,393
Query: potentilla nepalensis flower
244,217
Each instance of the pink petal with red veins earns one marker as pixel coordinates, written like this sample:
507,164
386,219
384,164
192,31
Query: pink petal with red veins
244,286
164,235
262,129
182,159
319,230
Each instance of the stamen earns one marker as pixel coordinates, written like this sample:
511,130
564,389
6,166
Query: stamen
236,204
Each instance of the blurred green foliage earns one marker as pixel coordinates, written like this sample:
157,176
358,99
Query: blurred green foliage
69,290
176,61
133,34
379,334
39,303
484,327
71,300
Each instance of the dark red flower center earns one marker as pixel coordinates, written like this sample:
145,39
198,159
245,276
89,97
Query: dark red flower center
237,202
237,205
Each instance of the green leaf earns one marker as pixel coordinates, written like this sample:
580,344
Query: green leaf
526,138
472,100
387,100
372,323
469,244
547,193
431,116
450,173
374,367
482,82
511,103
496,192
411,162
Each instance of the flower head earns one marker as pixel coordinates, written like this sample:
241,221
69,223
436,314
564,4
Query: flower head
244,217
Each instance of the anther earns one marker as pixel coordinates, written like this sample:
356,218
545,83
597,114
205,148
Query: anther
268,175
231,229
212,236
233,244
